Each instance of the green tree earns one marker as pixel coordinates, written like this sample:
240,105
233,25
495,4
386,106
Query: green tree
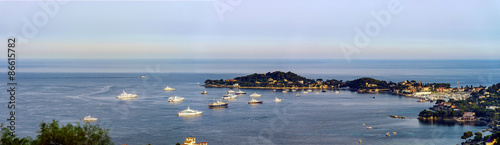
53,134
478,137
467,135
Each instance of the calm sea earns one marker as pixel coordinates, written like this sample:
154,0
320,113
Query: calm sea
66,90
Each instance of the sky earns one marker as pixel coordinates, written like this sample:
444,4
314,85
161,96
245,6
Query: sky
253,29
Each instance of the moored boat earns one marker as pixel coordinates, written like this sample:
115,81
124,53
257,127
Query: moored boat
253,101
168,89
189,112
276,99
230,91
255,95
89,118
229,96
204,92
218,103
240,92
175,98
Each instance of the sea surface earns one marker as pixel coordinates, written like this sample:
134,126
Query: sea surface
66,90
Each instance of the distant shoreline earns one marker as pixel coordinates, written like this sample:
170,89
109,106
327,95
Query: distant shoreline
264,88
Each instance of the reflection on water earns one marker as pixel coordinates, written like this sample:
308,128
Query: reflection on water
450,123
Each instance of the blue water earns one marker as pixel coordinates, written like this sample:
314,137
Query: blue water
67,90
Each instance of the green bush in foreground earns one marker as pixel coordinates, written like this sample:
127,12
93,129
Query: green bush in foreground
52,134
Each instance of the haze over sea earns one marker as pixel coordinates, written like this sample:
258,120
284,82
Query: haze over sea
66,90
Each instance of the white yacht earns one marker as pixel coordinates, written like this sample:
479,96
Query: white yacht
309,90
168,89
124,95
369,127
175,99
253,101
229,96
204,92
218,103
336,92
297,95
230,91
89,118
240,92
189,112
255,95
143,77
388,134
276,99
284,91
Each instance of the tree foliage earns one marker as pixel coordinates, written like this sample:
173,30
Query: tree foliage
53,134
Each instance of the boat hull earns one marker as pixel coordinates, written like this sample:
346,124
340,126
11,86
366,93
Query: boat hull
260,102
127,97
188,114
213,106
90,119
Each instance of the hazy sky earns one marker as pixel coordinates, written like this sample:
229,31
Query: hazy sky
282,29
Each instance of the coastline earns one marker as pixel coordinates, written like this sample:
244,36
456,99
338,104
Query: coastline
264,88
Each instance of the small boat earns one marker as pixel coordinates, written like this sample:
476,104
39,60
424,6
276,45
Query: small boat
253,101
360,141
175,99
293,90
276,99
297,95
373,97
124,95
230,91
229,96
369,127
189,112
168,89
218,103
89,118
309,90
204,92
363,124
387,134
316,93
274,90
240,92
323,91
284,91
305,92
255,95
336,92
394,132
143,77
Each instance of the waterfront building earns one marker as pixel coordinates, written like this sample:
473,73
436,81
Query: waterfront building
492,107
192,141
468,116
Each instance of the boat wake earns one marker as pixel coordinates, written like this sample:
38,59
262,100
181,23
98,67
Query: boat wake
87,97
